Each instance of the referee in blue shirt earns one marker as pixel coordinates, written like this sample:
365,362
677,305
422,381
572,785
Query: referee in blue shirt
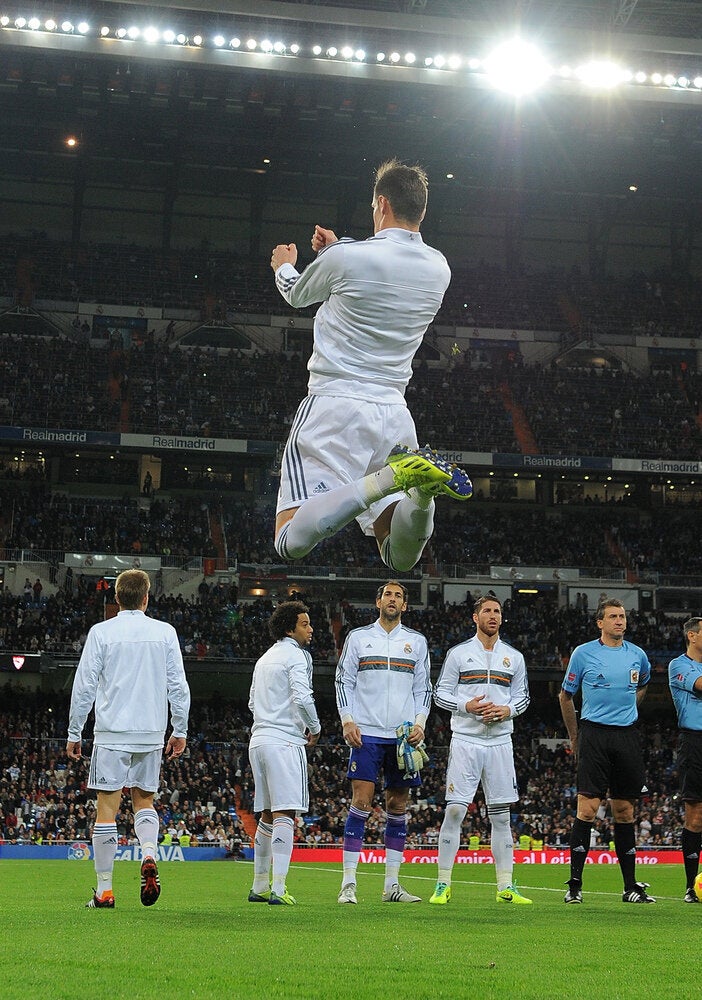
685,679
612,675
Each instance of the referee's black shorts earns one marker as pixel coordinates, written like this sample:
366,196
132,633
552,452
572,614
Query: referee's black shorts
609,760
690,764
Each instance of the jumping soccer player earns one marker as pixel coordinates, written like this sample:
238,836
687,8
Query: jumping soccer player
131,669
340,462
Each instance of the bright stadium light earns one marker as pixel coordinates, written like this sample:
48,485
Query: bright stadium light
517,67
151,35
601,74
218,40
360,55
83,28
33,23
347,52
316,50
294,48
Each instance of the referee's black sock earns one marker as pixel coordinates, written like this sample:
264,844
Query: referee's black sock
625,846
691,843
579,846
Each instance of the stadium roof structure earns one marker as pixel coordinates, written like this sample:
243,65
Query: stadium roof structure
156,86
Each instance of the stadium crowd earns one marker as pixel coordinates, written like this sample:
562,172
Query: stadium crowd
204,796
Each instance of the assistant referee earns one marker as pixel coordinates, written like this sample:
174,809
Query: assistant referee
685,679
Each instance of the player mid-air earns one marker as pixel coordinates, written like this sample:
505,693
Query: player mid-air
342,459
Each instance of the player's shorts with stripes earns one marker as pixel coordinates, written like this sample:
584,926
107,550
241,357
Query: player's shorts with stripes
609,761
114,768
690,764
490,765
335,440
280,777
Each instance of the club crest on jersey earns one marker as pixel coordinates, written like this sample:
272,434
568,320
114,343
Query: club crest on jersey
353,767
633,676
408,647
506,662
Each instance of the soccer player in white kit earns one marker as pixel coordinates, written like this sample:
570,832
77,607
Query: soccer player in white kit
342,459
285,721
131,669
483,683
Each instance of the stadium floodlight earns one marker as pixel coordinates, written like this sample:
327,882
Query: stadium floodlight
104,31
640,76
428,61
395,57
251,44
83,27
67,26
197,39
168,36
181,38
697,82
316,50
20,22
454,62
601,74
656,79
151,35
235,42
33,23
121,32
294,48
218,40
347,52
4,21
669,80
439,62
683,81
517,67
266,45
332,51
360,55
279,47
133,32
50,24
380,57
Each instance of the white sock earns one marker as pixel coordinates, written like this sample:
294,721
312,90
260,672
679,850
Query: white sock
393,860
324,514
450,839
262,857
281,849
501,846
146,830
410,530
104,851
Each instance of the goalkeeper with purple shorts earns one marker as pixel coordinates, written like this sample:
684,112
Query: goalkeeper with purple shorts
383,693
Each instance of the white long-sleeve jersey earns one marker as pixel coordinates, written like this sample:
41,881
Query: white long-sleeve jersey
378,297
281,699
131,668
383,679
470,670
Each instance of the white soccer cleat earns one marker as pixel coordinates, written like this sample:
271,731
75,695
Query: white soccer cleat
348,893
396,894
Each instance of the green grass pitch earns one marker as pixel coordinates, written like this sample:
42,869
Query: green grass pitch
204,940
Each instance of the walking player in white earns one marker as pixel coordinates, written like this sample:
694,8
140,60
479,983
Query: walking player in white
483,683
382,681
341,461
131,669
285,721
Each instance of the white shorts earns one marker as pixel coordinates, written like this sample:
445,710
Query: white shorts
111,770
280,777
336,440
491,766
